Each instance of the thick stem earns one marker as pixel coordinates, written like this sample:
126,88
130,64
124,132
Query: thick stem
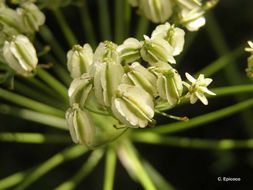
119,25
142,27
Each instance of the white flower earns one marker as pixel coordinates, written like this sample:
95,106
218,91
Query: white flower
133,106
82,129
198,88
156,50
249,69
32,17
79,60
174,35
129,51
20,55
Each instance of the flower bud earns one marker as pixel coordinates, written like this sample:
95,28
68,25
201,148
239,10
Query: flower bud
20,55
173,35
142,78
157,11
11,19
191,14
79,90
129,51
133,106
169,84
157,49
107,72
32,17
81,128
79,60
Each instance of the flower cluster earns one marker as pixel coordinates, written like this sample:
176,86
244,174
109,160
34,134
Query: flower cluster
127,81
249,69
186,12
17,26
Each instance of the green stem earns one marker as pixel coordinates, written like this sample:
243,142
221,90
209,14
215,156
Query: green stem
142,27
104,21
184,142
87,168
12,180
57,159
49,38
203,119
28,92
54,83
87,24
35,138
221,62
29,103
49,120
110,166
69,35
119,24
137,166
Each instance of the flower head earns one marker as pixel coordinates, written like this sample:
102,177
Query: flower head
198,88
249,69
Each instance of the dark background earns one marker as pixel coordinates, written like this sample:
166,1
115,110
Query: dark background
185,169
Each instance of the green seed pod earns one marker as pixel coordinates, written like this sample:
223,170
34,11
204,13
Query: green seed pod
156,50
79,60
20,55
129,51
173,35
81,128
107,72
32,17
133,106
142,77
79,90
169,84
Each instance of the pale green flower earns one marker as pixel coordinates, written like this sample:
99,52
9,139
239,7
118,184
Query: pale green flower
198,88
156,50
249,69
80,89
79,60
133,106
169,84
20,55
191,14
129,51
107,72
32,17
157,11
82,129
174,35
142,77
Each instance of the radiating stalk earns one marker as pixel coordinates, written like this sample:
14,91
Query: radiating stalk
12,180
53,82
110,166
87,168
87,24
134,165
29,103
119,24
104,20
34,94
203,119
185,142
34,138
68,33
142,27
46,119
222,62
59,158
49,38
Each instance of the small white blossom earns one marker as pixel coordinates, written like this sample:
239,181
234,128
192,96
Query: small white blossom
249,69
198,88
